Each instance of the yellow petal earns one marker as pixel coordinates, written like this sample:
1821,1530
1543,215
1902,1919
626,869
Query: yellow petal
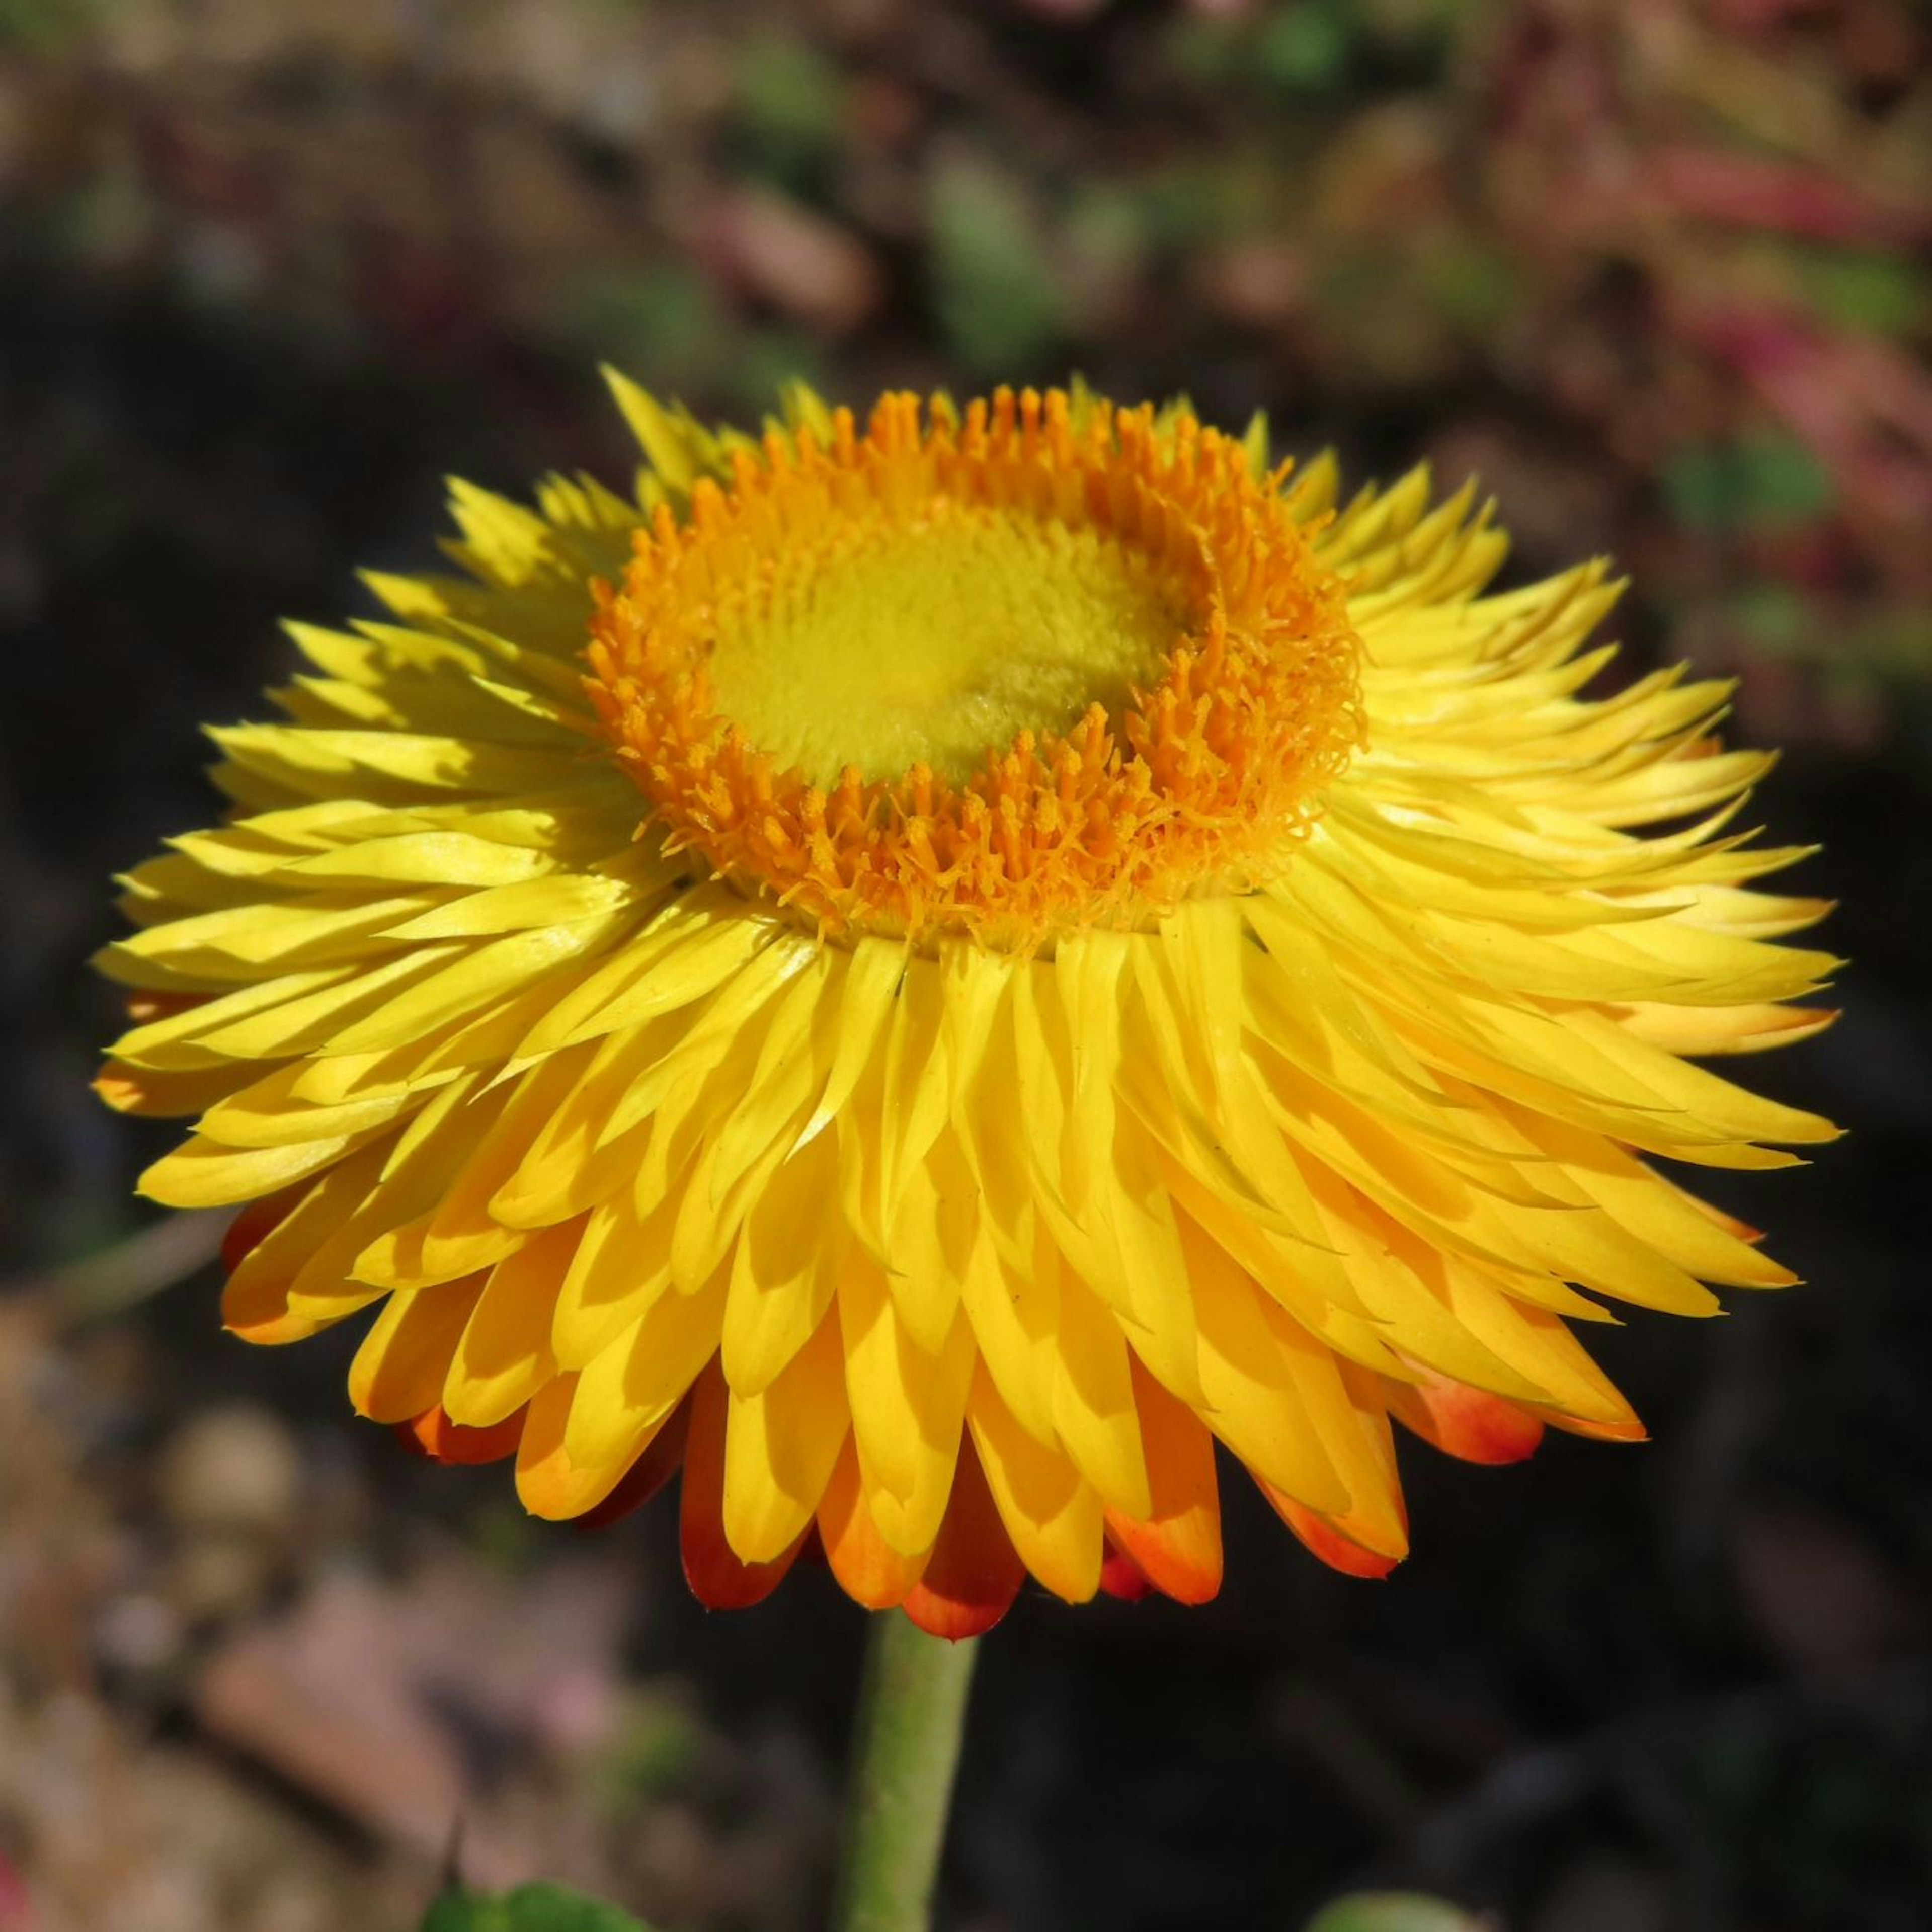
1053,1516
781,1445
399,1370
628,1388
503,1357
784,1271
907,1408
1093,1402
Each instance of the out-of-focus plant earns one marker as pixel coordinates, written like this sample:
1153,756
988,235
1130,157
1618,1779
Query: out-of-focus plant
1395,1912
787,99
45,26
532,1908
550,1908
998,300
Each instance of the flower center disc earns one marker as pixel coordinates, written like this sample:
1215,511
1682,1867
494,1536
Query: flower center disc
1014,672
930,634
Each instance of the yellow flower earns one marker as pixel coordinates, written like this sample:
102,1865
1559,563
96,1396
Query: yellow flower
924,975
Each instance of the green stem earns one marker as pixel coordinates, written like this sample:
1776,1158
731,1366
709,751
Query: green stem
912,1714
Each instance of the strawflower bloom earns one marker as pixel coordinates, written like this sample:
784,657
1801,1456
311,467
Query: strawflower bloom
922,974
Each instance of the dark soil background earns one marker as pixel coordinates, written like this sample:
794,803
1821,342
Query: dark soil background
1657,271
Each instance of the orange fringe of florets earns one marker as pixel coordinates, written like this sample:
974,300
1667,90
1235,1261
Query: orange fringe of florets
1202,783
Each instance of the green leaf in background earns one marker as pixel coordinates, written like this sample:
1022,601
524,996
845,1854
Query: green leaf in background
1306,48
1878,291
789,100
653,1750
1767,477
1776,621
999,301
1394,1911
1474,284
664,313
667,316
530,1908
44,26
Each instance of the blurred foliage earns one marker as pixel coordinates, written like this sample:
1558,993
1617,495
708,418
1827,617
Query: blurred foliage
995,291
1768,478
1865,289
530,1908
547,1908
671,318
654,1747
787,102
46,26
1393,1912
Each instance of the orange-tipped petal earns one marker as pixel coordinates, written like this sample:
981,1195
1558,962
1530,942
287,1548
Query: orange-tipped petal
255,1297
1121,1576
974,1573
1178,1548
1339,1552
256,1308
433,1434
1465,1422
869,1569
550,1484
144,1007
662,1458
153,1094
719,1580
1628,1430
1722,1216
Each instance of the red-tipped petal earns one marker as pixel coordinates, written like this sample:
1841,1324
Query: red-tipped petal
1339,1552
1178,1548
433,1434
1121,1576
974,1573
1465,1422
719,1580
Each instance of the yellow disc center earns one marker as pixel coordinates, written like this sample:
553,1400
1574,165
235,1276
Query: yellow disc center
1025,668
939,636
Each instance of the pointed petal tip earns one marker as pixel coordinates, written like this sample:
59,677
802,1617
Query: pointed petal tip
273,1333
1625,1428
116,1091
950,1618
1324,1538
620,386
1179,1556
718,1577
974,1573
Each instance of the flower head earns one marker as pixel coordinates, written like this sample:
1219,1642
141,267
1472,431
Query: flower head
923,976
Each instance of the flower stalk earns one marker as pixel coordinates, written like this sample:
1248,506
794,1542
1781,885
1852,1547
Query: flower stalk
905,1749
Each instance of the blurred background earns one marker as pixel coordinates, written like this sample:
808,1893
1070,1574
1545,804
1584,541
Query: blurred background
1656,272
